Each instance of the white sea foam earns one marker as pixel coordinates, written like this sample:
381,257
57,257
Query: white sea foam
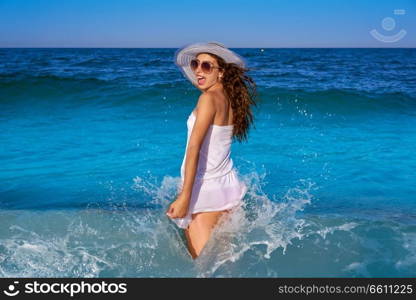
267,236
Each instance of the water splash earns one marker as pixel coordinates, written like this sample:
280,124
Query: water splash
259,221
266,236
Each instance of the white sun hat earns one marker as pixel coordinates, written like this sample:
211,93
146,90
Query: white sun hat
184,55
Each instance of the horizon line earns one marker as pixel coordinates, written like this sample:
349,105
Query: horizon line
86,47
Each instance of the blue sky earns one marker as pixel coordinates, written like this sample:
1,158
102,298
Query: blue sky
255,23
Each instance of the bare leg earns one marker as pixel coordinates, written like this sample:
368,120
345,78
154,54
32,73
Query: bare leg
199,230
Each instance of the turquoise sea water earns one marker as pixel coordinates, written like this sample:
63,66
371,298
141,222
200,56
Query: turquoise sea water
92,141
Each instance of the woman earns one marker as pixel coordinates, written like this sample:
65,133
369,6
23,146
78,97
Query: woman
209,184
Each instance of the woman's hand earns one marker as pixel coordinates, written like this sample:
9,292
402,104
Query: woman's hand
179,207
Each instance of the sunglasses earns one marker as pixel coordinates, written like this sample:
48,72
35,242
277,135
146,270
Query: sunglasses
206,66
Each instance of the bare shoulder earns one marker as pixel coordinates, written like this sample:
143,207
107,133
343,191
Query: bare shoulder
206,97
206,103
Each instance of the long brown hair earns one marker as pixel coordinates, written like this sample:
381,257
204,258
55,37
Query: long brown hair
241,91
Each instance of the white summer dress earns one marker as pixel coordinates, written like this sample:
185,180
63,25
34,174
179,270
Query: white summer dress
216,186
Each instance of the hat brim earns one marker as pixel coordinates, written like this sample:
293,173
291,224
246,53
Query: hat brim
184,55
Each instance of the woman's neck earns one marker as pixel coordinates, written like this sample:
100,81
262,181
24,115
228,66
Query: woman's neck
216,87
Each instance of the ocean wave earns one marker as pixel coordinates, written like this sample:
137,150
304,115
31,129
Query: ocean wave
22,87
266,237
18,85
17,78
339,100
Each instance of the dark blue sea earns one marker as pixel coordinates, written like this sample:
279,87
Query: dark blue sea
92,141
